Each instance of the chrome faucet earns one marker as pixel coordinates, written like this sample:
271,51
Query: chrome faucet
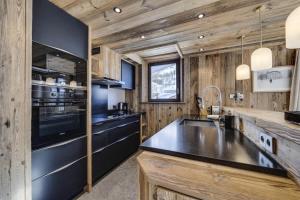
219,95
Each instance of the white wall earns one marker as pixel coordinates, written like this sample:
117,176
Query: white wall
115,96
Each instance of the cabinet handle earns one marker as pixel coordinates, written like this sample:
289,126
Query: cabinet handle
100,132
62,168
98,124
97,151
120,126
60,144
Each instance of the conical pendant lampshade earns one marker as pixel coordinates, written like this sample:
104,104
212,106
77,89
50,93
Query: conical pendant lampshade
243,70
261,58
292,30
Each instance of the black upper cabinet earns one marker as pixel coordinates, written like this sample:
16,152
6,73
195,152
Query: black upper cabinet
54,27
128,75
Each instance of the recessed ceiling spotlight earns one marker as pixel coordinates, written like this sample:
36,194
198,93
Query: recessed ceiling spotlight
201,49
143,37
117,10
200,16
201,36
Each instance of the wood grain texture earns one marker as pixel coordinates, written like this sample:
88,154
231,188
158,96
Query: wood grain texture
219,70
158,115
286,150
252,122
107,64
165,22
165,194
89,117
269,120
15,99
213,182
203,70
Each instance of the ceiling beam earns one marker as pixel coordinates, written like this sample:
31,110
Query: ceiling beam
135,57
162,57
150,16
161,25
147,48
218,50
226,24
179,50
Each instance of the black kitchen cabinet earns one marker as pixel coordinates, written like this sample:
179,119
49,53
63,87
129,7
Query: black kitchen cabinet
128,75
59,171
64,183
106,125
54,27
49,159
108,158
111,135
113,142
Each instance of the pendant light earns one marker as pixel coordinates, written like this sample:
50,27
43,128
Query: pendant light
292,30
243,70
261,58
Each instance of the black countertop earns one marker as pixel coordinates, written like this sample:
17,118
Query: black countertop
211,144
100,118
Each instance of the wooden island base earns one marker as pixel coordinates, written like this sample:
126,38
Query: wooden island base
164,177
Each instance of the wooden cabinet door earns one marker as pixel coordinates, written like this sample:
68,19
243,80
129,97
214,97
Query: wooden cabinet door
104,62
107,64
95,65
164,194
117,66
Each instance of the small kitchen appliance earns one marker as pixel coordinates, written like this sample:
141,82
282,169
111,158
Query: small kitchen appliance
122,106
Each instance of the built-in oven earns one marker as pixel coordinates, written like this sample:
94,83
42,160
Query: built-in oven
58,114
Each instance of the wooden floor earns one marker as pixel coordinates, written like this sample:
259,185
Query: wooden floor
120,184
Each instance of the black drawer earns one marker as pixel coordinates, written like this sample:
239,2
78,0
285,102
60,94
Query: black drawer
51,158
106,159
123,131
63,184
110,135
112,124
100,140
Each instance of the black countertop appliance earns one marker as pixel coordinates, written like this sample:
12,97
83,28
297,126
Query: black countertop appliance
122,106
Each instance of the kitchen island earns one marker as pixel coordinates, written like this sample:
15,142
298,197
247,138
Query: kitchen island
194,158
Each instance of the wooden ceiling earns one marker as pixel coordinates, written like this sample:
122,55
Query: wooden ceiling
166,23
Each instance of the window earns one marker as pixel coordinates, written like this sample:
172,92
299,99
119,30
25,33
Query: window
164,81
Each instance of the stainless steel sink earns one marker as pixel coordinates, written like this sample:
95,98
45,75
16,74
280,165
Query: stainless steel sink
198,123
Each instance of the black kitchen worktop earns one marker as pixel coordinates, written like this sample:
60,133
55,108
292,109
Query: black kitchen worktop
211,144
100,118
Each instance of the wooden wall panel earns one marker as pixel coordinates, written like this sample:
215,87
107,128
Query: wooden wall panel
194,84
15,99
200,71
219,70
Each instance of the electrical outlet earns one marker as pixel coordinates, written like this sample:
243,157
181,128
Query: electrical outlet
264,161
267,142
231,96
240,96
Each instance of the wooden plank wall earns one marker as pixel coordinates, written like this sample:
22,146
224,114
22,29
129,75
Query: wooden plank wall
158,115
219,70
209,69
15,99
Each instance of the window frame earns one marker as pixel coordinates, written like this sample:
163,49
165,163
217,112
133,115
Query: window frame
178,80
